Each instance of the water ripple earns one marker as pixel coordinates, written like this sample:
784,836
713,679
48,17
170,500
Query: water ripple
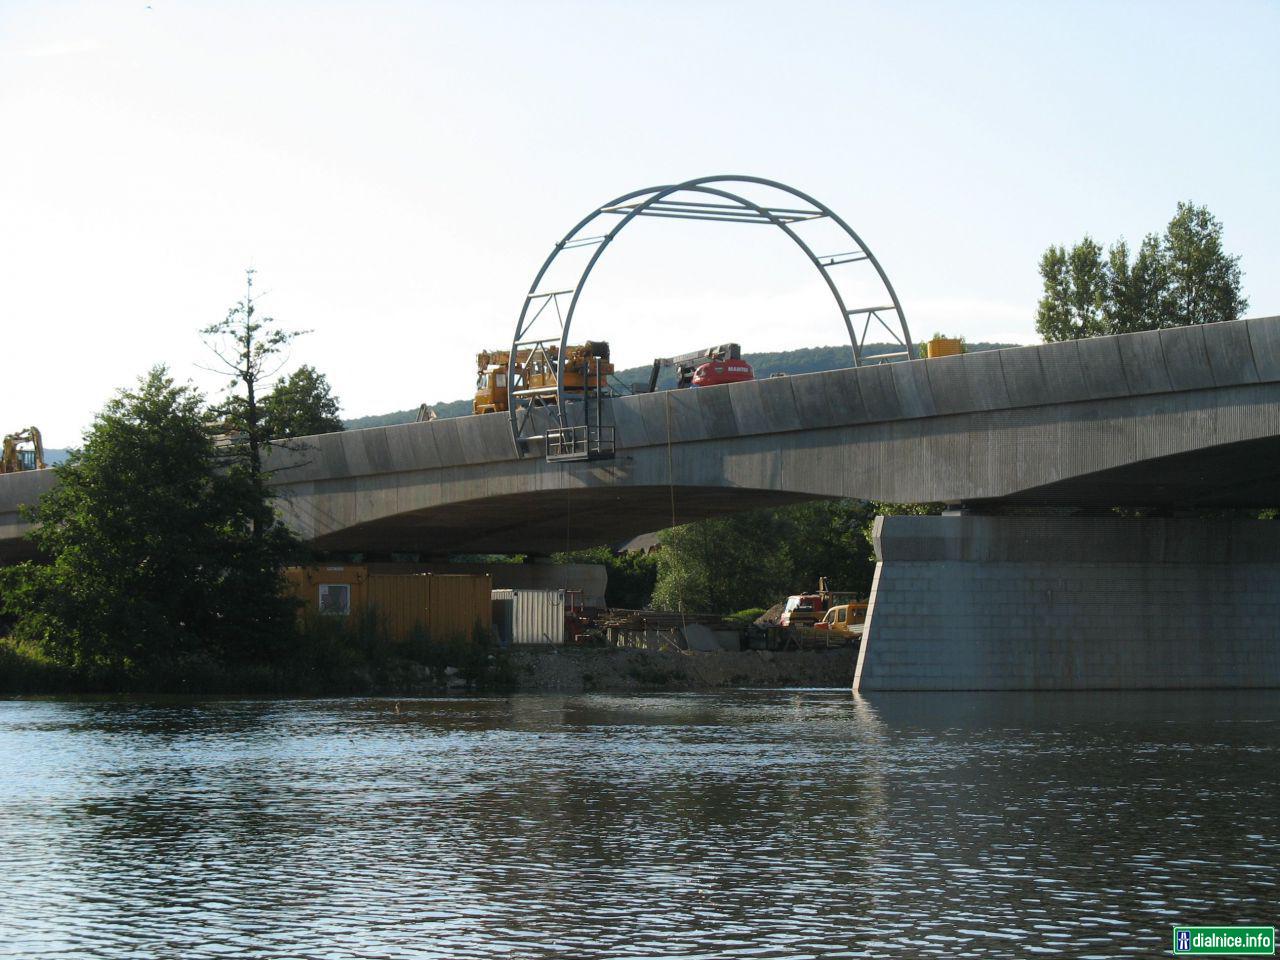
752,825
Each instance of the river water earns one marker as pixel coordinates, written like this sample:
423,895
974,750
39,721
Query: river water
754,824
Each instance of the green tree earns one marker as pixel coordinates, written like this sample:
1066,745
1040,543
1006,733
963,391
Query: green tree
150,558
1203,280
751,560
829,541
300,405
755,559
1075,292
723,564
1137,292
1182,277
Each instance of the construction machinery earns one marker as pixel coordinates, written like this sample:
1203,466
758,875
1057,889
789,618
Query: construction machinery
491,381
844,620
16,458
715,372
804,609
808,609
586,369
704,368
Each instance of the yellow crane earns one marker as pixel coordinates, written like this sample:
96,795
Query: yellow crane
585,367
17,459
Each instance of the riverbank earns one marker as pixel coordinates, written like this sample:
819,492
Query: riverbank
605,670
585,669
340,672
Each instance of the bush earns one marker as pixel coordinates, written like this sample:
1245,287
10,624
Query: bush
156,556
24,668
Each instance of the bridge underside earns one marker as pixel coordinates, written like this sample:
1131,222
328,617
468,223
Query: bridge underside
1244,474
1232,475
547,521
1236,475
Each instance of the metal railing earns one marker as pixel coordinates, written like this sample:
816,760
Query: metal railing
581,442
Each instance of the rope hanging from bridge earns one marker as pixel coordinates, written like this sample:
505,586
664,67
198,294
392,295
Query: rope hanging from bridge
671,488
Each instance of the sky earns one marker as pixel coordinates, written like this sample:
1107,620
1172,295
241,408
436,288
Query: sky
396,172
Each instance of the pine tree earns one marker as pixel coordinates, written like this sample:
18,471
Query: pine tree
248,348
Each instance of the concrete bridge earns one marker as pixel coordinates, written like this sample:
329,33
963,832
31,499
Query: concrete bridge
1181,418
1187,417
1178,418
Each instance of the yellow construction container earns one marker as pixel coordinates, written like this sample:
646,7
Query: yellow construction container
337,590
459,603
400,602
444,605
944,347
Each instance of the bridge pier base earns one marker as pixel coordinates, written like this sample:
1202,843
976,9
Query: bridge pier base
1000,603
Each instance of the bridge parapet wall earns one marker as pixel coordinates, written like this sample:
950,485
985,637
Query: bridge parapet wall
1153,362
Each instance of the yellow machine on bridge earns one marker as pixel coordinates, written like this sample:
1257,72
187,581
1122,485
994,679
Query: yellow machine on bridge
16,459
538,371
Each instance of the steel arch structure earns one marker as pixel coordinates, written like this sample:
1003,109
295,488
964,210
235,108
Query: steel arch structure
598,229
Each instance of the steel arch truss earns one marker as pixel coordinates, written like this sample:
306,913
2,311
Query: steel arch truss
543,330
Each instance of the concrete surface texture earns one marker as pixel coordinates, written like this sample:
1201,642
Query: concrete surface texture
988,603
1188,417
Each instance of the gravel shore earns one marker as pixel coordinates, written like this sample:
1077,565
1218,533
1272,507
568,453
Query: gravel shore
583,669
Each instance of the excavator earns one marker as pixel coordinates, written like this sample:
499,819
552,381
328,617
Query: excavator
585,366
16,459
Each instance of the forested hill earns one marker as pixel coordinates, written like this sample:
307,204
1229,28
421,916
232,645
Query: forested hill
452,408
805,360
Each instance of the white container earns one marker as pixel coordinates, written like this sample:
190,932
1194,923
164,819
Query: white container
529,616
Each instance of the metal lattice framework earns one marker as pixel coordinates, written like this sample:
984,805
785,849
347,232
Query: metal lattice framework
717,198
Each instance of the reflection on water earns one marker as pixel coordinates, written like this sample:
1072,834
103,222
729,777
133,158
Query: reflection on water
775,824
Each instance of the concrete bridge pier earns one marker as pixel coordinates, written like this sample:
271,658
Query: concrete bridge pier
1000,603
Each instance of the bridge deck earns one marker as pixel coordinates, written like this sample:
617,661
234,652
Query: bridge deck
1188,416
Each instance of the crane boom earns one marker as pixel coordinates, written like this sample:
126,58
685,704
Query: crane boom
686,363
